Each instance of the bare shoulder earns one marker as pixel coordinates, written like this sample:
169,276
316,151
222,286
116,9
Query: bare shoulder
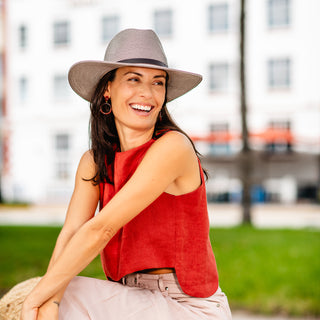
87,157
87,167
176,152
177,141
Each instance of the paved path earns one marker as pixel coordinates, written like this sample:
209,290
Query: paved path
268,216
245,316
33,215
264,216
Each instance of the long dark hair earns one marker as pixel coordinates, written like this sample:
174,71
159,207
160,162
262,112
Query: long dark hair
104,136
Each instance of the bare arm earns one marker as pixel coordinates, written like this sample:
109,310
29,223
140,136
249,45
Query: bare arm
167,161
81,208
82,205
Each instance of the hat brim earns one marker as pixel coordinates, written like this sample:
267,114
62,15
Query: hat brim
84,76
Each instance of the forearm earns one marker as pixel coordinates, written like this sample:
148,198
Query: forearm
84,246
62,241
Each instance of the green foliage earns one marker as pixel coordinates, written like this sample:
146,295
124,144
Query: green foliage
263,271
269,271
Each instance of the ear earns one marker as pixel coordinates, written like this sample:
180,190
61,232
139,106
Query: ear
107,92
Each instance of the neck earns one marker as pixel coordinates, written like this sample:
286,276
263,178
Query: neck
132,138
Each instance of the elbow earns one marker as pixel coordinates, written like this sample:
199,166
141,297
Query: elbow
101,234
107,234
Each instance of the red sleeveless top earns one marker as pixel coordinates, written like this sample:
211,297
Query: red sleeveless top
172,232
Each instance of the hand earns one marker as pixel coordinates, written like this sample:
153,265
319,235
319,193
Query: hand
29,312
48,311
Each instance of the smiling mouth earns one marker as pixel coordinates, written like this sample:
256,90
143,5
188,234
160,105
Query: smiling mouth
142,108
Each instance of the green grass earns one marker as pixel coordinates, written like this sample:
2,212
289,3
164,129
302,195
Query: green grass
270,271
263,271
25,252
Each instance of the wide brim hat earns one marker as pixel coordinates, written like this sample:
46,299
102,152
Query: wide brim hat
130,47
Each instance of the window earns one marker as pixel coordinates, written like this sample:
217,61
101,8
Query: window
278,137
61,33
60,87
62,163
279,13
163,22
110,26
219,139
279,73
218,17
22,36
62,142
219,74
23,89
62,170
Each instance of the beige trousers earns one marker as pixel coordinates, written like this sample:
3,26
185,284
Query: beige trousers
140,296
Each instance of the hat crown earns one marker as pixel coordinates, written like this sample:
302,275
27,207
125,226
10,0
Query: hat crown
130,47
135,44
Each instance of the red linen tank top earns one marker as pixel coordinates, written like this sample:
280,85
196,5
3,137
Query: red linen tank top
172,232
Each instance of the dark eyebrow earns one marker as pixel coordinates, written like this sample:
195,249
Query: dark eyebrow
136,73
160,76
140,75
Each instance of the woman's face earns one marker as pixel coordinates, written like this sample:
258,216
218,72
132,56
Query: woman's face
137,96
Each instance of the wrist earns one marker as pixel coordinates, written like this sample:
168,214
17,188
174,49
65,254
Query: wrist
30,302
57,303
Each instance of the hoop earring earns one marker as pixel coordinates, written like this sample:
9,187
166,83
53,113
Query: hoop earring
108,104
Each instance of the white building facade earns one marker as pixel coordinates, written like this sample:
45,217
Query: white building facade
46,125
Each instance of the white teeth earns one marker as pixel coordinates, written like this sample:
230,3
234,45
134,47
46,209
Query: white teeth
139,107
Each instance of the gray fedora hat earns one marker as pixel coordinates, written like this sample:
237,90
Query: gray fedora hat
130,47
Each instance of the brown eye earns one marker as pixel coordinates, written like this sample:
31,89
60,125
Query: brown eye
133,79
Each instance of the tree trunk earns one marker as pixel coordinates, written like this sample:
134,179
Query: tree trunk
246,155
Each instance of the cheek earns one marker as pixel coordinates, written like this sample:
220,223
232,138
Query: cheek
117,109
119,100
161,97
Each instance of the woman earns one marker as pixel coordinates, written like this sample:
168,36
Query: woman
152,228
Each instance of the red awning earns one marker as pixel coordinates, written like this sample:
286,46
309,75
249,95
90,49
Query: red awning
267,136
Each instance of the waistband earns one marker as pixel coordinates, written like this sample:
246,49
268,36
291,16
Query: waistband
166,283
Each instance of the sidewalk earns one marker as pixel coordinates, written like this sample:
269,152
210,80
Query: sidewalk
245,316
220,215
33,215
267,216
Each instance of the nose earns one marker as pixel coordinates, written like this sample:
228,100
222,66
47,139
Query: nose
145,90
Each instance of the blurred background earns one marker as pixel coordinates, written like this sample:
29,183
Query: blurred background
44,125
255,118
